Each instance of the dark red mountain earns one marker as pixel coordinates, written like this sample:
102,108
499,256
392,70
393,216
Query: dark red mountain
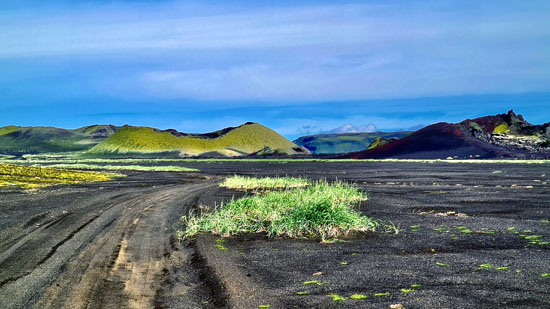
500,136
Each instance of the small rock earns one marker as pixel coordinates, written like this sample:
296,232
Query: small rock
318,274
396,306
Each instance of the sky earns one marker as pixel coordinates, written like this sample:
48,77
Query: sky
299,67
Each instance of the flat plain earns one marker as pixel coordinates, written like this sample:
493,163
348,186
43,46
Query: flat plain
469,236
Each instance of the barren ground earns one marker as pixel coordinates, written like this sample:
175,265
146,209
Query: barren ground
113,245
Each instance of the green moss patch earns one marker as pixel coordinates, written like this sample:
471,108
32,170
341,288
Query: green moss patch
501,128
34,177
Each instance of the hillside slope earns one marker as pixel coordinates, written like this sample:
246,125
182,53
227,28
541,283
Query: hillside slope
23,140
243,140
343,142
500,136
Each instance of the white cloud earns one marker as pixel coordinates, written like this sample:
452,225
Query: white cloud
293,53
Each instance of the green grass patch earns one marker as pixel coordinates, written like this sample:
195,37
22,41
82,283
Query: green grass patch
323,209
163,168
27,177
274,183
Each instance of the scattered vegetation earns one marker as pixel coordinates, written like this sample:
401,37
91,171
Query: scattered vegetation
164,168
33,177
322,210
28,159
251,183
358,296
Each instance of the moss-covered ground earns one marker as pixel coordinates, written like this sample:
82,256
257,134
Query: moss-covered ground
27,177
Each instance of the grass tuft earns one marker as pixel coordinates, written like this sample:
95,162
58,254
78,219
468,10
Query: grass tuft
323,209
267,183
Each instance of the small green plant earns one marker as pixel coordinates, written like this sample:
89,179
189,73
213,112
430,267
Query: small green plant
485,266
264,306
382,294
317,282
407,290
336,297
503,268
545,275
511,228
466,231
302,293
343,263
416,286
358,296
221,247
441,264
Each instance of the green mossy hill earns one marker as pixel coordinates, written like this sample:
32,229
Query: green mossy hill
25,140
243,140
380,141
344,142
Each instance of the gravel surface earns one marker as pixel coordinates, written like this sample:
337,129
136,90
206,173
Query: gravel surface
113,245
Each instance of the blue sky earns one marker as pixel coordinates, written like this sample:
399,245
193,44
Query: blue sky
299,67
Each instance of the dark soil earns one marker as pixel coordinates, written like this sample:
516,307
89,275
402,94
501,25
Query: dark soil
112,244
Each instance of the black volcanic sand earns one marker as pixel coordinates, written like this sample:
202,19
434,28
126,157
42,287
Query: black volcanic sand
112,244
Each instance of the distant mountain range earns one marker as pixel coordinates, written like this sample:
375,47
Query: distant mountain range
344,142
107,140
501,136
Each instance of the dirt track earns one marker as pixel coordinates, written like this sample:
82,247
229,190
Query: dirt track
100,246
112,244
